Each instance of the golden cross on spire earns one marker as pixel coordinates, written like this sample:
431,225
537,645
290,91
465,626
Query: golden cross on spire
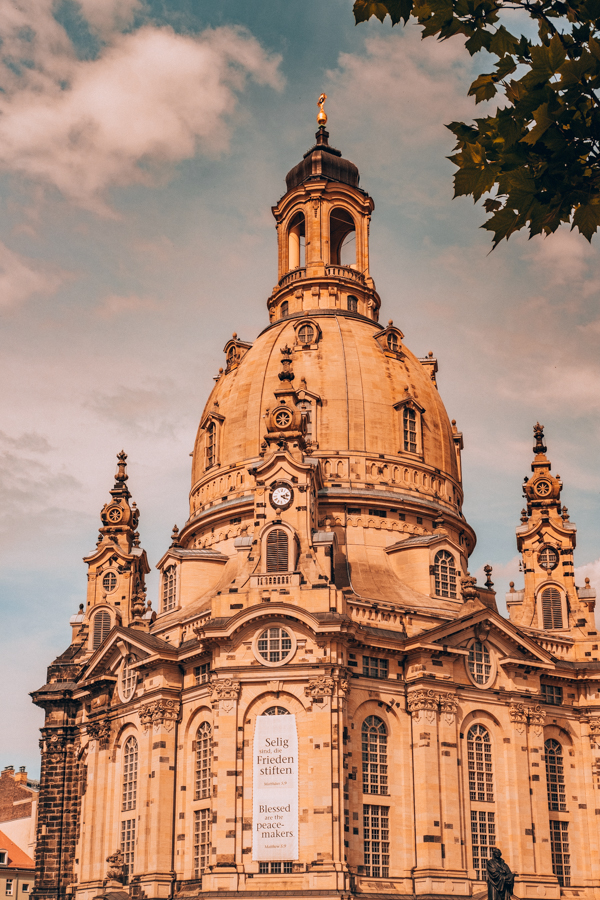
322,115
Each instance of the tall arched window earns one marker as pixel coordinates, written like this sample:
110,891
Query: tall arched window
481,793
374,756
203,761
445,574
551,608
352,303
277,550
306,409
342,238
296,242
409,427
481,776
211,445
555,776
130,773
101,628
169,587
284,309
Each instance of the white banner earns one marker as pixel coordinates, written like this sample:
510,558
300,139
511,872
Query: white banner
275,789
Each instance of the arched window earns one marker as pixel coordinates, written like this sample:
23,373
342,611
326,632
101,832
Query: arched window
169,587
551,608
284,309
109,582
276,711
203,761
374,756
444,570
296,242
130,773
277,550
211,445
409,428
342,237
555,776
481,776
101,628
274,644
352,304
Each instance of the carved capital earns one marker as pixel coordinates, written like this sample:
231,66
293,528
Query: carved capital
224,691
320,687
448,707
423,701
522,715
160,714
536,716
99,731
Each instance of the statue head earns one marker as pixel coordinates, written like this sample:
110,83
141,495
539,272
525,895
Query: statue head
496,853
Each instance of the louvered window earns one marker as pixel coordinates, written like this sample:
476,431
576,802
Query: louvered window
277,550
101,627
551,608
211,445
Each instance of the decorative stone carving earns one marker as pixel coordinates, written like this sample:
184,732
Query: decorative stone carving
594,726
225,692
448,707
425,701
54,745
160,714
320,687
521,715
518,716
536,717
116,867
99,731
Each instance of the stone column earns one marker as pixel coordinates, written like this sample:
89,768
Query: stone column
422,704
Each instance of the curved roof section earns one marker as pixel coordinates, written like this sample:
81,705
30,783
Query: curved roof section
323,161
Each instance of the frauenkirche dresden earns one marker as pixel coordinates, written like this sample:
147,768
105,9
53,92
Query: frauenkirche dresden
325,703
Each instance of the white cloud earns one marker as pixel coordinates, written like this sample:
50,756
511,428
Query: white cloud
22,277
152,98
115,305
591,571
561,258
106,16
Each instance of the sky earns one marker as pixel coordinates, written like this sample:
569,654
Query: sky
142,145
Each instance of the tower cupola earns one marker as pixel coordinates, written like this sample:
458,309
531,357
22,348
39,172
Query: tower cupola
323,236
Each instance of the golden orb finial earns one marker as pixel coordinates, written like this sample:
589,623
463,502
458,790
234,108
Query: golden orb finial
322,115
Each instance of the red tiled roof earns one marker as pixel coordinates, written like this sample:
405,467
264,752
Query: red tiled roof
17,858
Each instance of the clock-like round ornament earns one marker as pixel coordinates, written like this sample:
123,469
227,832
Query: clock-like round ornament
281,496
543,488
114,514
283,417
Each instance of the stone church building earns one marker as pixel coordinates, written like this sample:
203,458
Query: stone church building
324,702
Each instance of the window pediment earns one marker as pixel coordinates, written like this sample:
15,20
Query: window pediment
390,341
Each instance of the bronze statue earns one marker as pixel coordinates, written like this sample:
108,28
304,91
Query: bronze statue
499,877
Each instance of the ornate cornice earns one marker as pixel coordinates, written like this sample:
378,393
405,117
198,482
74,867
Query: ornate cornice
161,714
522,715
430,702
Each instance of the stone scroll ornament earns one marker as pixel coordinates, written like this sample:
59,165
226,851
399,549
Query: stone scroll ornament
429,703
224,692
161,714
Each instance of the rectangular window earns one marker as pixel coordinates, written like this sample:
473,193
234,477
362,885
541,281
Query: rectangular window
202,822
202,673
275,868
553,694
379,513
561,860
169,588
128,845
24,888
9,887
354,510
374,667
376,847
483,838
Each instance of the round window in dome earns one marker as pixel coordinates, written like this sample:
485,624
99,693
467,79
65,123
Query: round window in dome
480,664
274,646
392,341
548,558
306,334
109,582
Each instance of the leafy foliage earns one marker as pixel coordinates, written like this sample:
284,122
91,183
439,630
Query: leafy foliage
539,156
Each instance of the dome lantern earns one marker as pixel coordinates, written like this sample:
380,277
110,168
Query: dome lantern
323,236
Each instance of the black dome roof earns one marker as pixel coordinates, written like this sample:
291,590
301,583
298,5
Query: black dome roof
323,161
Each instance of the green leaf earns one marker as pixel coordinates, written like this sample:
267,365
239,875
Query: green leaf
556,53
594,47
543,121
480,39
364,9
587,218
503,223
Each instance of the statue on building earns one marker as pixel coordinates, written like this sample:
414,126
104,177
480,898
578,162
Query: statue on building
500,879
116,870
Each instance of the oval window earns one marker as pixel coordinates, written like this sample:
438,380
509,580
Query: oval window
480,664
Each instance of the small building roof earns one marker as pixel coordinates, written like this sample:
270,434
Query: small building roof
17,858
